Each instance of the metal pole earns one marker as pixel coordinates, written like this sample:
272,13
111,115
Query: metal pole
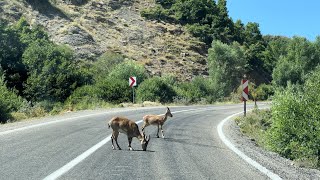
133,94
245,108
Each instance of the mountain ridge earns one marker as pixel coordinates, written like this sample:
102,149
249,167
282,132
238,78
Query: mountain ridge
95,27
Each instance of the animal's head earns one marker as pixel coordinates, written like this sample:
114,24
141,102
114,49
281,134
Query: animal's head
168,113
145,141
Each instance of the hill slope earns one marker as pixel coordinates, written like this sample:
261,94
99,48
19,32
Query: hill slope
97,26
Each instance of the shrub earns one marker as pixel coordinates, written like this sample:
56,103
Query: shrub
199,89
126,69
105,64
114,90
155,89
264,92
255,125
296,121
53,73
9,102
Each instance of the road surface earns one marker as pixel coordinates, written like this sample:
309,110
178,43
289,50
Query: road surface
77,146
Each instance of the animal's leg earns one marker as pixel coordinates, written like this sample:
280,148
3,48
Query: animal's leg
112,142
130,140
144,126
115,136
161,131
158,132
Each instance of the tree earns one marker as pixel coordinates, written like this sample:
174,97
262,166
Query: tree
254,47
155,89
11,51
128,68
239,29
277,47
193,11
53,74
222,25
301,59
226,66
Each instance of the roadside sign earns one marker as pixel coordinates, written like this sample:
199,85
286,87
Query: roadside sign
245,94
245,90
132,81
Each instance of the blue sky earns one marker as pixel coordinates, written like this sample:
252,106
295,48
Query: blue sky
279,17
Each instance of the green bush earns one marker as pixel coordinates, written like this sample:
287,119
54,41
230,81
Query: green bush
155,89
114,90
198,90
105,64
296,121
264,92
9,102
53,73
126,69
255,125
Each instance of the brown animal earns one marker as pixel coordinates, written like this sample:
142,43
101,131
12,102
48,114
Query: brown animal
157,120
128,127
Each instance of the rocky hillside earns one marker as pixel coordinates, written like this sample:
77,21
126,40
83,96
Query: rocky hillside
92,27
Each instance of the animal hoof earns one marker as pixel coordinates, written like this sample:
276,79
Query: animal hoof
130,149
157,136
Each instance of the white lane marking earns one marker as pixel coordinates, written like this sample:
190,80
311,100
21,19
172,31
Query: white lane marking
241,154
47,123
63,120
88,152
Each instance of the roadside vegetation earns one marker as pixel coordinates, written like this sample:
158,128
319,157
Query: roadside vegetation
39,77
283,69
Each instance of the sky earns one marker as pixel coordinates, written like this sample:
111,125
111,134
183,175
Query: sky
279,17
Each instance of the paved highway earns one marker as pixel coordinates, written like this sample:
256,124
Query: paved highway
77,146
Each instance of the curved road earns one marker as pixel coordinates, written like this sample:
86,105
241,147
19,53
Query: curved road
77,146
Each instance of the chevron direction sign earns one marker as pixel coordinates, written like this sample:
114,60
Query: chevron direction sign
132,81
245,90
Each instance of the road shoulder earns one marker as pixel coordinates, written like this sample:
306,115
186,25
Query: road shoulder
272,161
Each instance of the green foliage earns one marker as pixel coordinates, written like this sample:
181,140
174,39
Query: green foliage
114,90
193,11
226,67
105,64
277,47
155,89
296,120
11,51
255,125
198,90
126,69
264,92
9,101
52,72
302,57
85,97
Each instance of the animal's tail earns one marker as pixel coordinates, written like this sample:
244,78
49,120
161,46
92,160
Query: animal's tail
109,125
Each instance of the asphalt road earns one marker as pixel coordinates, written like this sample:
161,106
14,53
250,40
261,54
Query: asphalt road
192,149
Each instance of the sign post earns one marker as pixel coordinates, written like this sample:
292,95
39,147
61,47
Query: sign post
245,93
132,83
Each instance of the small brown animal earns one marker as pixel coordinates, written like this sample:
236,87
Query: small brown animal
128,127
157,120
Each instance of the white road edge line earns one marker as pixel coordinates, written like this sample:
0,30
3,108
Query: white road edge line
90,151
255,164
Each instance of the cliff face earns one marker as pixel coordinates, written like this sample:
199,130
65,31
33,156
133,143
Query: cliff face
92,27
